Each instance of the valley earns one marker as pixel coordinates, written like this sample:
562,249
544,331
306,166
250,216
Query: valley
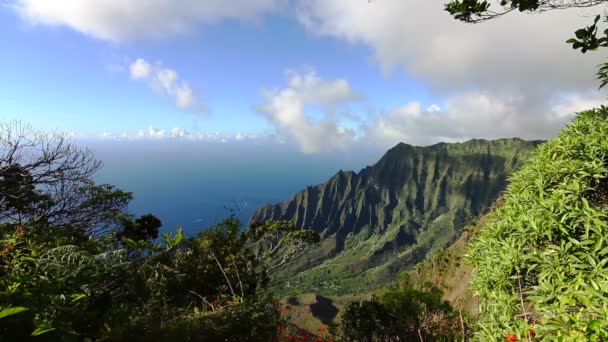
388,217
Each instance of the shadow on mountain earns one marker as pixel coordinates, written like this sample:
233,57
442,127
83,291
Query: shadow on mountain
323,309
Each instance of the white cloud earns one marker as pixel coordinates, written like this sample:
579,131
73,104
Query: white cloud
179,132
167,82
286,108
512,52
465,115
569,105
140,69
120,20
105,135
474,114
184,96
505,77
166,79
156,133
433,108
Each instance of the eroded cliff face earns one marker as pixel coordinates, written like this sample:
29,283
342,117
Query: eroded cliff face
391,215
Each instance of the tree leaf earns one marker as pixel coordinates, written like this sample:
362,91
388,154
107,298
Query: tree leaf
12,311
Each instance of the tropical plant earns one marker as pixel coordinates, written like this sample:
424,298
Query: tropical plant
208,287
541,267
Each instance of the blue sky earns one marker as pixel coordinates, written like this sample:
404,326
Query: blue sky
322,75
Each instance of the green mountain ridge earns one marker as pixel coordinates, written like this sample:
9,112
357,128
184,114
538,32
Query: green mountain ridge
392,215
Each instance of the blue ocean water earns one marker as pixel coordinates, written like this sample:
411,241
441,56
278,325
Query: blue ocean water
194,184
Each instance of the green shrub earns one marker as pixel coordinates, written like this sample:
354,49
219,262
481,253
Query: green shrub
400,314
541,267
203,288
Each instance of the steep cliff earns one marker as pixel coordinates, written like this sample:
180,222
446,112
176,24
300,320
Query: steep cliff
389,216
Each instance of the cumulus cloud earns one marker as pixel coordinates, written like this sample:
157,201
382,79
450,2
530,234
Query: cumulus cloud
465,115
469,115
140,69
179,132
433,108
513,76
167,82
120,20
288,109
156,133
419,36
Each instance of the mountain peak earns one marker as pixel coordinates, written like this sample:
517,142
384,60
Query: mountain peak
391,214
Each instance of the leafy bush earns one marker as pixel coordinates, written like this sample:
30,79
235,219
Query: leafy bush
207,287
541,266
401,314
74,265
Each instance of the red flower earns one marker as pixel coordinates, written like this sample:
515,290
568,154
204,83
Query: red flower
531,333
511,337
281,327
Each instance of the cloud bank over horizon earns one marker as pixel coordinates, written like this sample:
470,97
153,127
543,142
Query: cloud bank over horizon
467,115
514,76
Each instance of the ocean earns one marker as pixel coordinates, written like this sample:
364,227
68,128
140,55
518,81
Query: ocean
196,184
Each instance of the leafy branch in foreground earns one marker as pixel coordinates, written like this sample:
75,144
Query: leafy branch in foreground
476,11
586,39
46,179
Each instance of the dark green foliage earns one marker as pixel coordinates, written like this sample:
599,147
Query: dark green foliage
467,10
481,10
542,265
199,265
46,180
144,228
400,314
74,265
368,320
203,288
586,38
17,191
252,320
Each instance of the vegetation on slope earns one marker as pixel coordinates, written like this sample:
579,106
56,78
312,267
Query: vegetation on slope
402,312
448,270
71,288
541,268
390,216
75,266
